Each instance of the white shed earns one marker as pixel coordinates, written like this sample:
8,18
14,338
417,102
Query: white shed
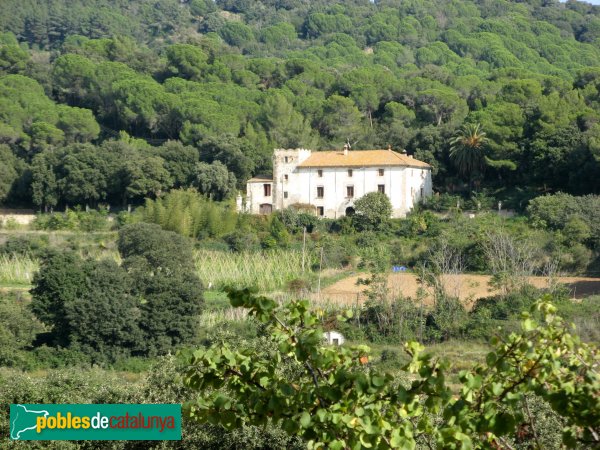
333,338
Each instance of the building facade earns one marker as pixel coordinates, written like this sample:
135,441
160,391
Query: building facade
329,183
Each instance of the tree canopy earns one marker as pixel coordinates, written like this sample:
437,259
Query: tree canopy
199,82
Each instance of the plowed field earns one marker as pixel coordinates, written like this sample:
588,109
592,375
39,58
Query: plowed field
467,287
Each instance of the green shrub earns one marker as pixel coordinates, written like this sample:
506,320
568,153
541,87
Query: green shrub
398,321
577,217
373,212
419,223
24,245
447,320
444,202
343,225
18,329
10,224
337,253
296,221
481,201
367,239
391,360
242,241
87,221
585,314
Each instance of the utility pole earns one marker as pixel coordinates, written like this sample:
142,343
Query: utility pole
303,249
320,269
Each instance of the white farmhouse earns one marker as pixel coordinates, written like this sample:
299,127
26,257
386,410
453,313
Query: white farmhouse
333,338
330,181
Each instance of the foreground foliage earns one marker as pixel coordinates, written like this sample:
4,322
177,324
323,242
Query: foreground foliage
332,398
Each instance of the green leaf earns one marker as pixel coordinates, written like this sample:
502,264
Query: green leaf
378,381
528,325
305,420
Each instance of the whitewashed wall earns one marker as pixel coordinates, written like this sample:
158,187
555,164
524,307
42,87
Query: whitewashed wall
255,196
405,186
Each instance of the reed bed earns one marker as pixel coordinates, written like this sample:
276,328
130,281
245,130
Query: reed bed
267,271
17,270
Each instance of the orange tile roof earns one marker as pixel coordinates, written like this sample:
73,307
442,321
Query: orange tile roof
362,158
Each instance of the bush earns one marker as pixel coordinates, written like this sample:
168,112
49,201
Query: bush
395,322
88,221
71,294
420,223
444,202
373,212
367,239
159,385
585,315
242,241
337,253
577,217
343,225
296,220
18,329
503,311
24,245
391,360
552,211
10,224
298,286
481,201
447,319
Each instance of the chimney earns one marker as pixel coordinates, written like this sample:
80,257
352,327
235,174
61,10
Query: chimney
410,156
346,147
390,147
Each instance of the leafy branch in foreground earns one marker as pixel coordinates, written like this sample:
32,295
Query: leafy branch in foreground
332,398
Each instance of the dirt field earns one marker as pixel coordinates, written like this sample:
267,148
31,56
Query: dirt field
467,287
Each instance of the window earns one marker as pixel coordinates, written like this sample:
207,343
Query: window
381,188
285,194
320,173
422,193
350,191
381,172
267,190
320,211
350,173
286,159
320,192
285,177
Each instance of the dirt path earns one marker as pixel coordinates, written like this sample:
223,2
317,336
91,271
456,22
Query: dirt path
466,287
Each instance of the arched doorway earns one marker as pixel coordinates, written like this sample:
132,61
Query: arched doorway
350,211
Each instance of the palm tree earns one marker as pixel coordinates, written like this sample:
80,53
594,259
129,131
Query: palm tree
467,150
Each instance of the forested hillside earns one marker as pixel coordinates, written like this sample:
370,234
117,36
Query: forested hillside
112,101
